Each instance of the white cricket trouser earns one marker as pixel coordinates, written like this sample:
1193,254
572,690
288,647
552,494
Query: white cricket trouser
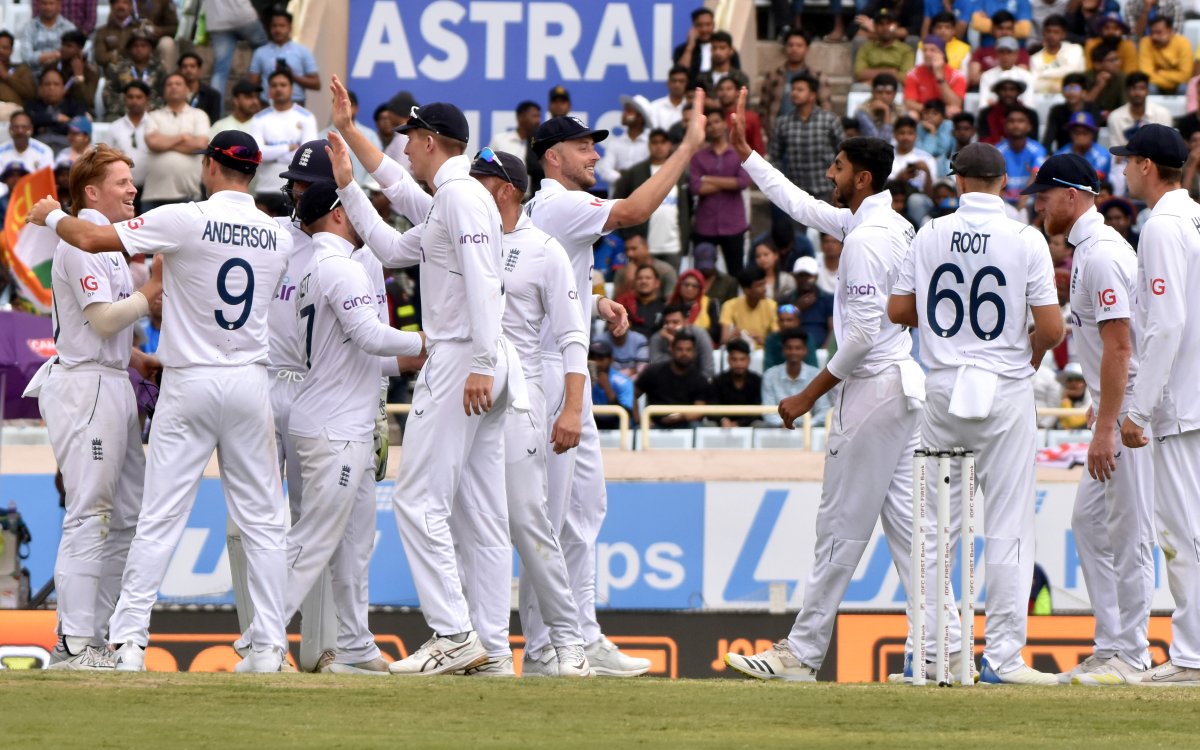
543,568
452,467
1177,512
1114,532
201,409
91,415
318,622
1005,445
577,501
868,476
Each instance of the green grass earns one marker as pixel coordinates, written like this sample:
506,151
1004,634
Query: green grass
323,711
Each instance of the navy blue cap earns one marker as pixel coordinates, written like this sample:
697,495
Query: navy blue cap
564,128
317,201
234,149
441,118
501,164
1064,171
1158,143
310,163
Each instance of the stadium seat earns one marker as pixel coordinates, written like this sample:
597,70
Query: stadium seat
1058,437
1176,105
756,361
737,438
1191,29
818,439
775,437
672,440
610,439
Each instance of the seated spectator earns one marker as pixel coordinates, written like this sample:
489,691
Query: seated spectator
984,58
738,385
885,52
727,96
1081,15
696,53
109,41
203,97
1006,69
22,147
1124,121
16,81
668,232
39,42
723,58
128,134
1105,87
637,254
1119,214
935,134
751,316
902,191
774,91
718,285
10,175
779,284
827,268
717,180
958,52
246,104
283,52
173,135
141,65
279,130
1075,396
1060,252
1082,131
813,304
1056,59
79,140
1191,174
666,111
945,198
609,385
630,350
983,18
51,111
850,127
702,310
1109,29
791,377
789,318
675,320
1060,114
991,122
1023,156
963,130
1166,57
645,302
80,78
151,325
915,166
934,79
626,148
877,115
678,381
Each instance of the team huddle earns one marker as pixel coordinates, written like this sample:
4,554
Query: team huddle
275,350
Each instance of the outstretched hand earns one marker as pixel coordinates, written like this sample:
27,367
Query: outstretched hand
339,157
694,138
737,138
41,210
343,113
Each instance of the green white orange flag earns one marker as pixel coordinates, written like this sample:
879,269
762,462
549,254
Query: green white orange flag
29,250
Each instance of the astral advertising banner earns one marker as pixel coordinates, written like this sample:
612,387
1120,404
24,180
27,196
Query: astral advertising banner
664,545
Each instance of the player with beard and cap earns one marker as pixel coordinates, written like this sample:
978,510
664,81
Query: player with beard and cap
968,285
1113,519
1164,395
879,391
222,261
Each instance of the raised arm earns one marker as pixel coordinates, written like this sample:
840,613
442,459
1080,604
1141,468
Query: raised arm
393,249
88,237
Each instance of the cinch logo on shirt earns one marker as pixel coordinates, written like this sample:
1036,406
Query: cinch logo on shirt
1159,287
1108,298
352,302
239,235
285,290
478,239
89,284
969,242
860,289
572,294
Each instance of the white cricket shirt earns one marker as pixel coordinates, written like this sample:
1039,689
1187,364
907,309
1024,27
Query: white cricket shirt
279,134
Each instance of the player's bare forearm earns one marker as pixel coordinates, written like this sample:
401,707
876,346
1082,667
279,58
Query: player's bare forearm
89,237
902,310
569,425
1114,371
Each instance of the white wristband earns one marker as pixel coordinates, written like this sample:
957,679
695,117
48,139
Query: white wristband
54,217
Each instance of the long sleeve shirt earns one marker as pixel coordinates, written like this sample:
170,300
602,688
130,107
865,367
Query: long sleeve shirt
1169,67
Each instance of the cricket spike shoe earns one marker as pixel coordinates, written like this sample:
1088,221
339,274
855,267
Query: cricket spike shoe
776,663
441,655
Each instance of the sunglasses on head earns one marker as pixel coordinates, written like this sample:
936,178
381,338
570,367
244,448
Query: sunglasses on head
489,156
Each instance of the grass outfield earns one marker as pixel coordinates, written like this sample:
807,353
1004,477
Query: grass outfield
60,710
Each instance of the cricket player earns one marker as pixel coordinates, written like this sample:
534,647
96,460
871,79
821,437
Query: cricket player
878,392
577,496
966,285
222,262
1164,394
85,396
1113,518
453,461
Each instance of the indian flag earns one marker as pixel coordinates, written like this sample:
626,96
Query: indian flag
28,249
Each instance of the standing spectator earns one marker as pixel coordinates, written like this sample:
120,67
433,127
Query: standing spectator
109,41
609,385
246,104
774,92
737,385
1081,15
630,350
1144,13
1165,56
911,164
674,320
723,61
162,22
645,302
1108,28
983,58
668,231
559,102
139,66
668,110
984,17
227,22
1082,131
623,151
173,135
718,286
40,42
22,147
935,134
51,111
516,141
201,96
1105,88
79,140
934,79
279,130
696,53
780,285
677,381
751,316
128,135
727,96
1007,69
1074,102
284,53
1057,58
992,119
1123,121
80,78
876,115
791,377
806,141
16,81
637,254
701,310
717,179
1023,156
885,52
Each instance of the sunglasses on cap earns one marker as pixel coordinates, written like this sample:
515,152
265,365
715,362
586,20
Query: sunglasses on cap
1084,188
415,121
239,153
489,156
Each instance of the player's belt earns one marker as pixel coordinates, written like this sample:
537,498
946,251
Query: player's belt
292,375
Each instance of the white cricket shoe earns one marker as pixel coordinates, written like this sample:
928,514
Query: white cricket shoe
1112,672
90,658
1090,664
572,661
502,667
130,657
776,663
324,661
266,660
1022,675
376,666
541,664
441,655
1169,675
607,660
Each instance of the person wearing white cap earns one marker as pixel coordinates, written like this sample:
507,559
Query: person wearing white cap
623,151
